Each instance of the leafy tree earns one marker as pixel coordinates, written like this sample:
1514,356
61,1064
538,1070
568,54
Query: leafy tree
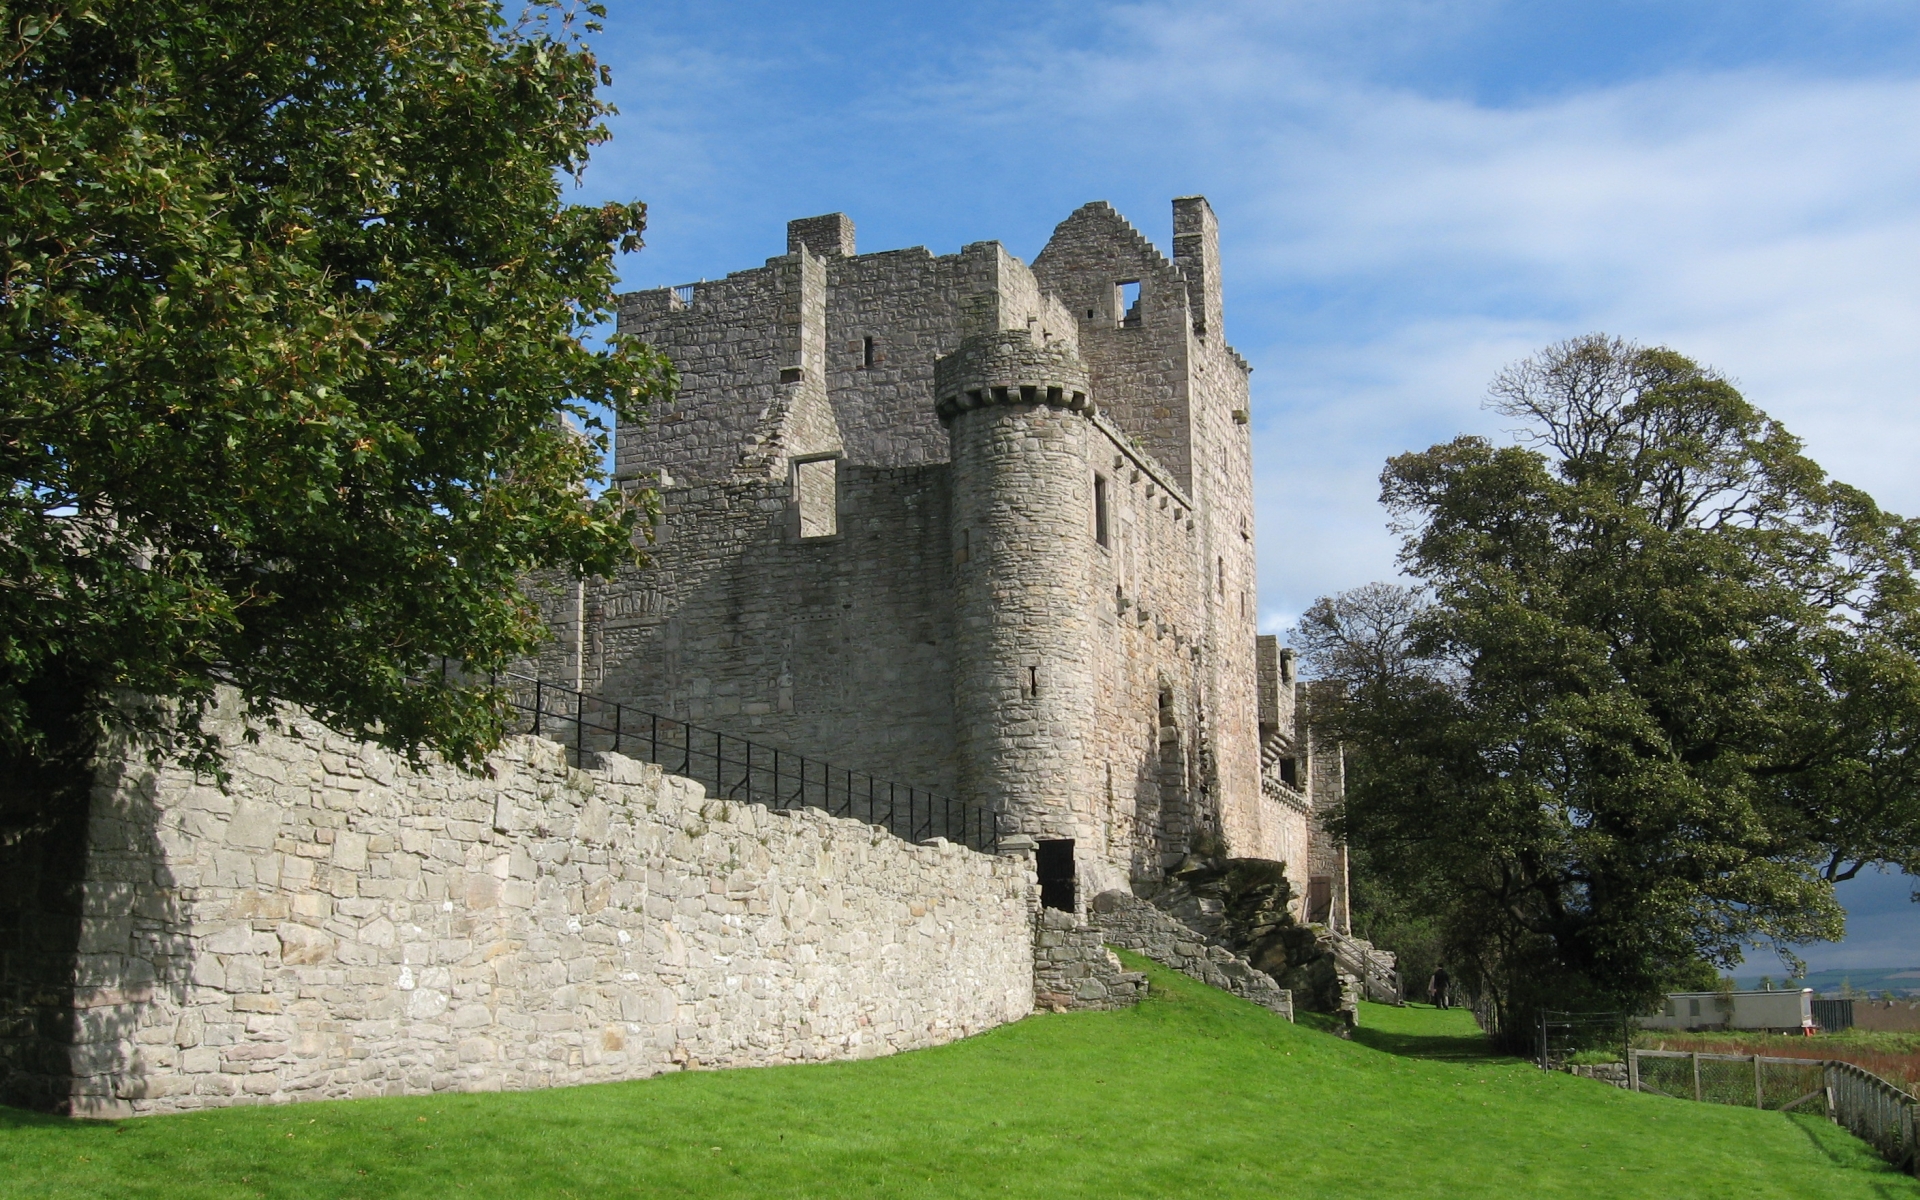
294,390
1660,694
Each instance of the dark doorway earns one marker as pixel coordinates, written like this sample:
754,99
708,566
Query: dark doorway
1055,861
1319,899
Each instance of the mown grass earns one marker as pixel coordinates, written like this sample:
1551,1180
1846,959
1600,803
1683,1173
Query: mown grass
1193,1094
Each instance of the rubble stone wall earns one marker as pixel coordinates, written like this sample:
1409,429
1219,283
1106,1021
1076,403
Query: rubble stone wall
1074,970
336,925
1134,924
836,647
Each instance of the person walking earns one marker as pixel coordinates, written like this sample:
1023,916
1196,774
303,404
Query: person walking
1437,988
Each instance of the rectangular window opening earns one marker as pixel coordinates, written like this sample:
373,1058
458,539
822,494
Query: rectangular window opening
815,495
1100,510
866,352
1031,684
1290,772
1127,301
964,550
1054,864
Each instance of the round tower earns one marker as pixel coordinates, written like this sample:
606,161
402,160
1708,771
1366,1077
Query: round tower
1018,419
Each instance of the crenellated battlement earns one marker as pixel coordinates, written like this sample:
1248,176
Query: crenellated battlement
1009,367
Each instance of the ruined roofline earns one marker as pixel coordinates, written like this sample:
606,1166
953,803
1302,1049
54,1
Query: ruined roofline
684,297
1157,259
1101,208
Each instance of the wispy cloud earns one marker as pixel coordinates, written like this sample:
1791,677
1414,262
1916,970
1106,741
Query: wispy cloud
1412,194
1388,251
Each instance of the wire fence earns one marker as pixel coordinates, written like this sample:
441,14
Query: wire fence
1561,1035
733,768
1874,1110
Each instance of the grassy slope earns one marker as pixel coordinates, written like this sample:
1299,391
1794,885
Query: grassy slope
1193,1094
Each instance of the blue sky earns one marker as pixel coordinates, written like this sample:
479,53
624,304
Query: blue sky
1411,195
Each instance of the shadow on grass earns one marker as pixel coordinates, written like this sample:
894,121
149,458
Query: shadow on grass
22,1118
1417,1031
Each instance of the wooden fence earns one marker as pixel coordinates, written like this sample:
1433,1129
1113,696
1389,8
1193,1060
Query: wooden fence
1874,1110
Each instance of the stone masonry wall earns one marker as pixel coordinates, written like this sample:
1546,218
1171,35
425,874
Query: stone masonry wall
858,648
337,925
1147,702
1165,375
836,647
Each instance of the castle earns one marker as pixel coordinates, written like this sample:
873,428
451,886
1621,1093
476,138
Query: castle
978,526
971,525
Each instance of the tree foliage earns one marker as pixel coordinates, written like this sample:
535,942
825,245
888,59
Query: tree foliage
295,392
1658,693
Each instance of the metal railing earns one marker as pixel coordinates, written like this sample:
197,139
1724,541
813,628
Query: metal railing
733,768
1375,969
1869,1107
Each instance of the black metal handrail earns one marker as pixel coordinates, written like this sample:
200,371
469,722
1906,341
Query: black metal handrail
734,768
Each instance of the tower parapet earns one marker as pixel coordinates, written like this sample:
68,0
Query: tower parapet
1008,367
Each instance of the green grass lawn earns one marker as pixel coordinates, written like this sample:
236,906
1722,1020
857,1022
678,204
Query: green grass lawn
1194,1093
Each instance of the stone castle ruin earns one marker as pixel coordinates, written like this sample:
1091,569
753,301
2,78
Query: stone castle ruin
978,526
953,520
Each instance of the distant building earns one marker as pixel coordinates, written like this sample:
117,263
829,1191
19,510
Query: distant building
1775,1012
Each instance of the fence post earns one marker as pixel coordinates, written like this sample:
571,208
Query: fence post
1633,1069
1543,1036
1759,1097
1696,1076
1910,1153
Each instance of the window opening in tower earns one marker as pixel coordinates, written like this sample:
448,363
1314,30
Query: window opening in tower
1100,509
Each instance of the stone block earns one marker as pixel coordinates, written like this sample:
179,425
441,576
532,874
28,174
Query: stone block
349,851
302,945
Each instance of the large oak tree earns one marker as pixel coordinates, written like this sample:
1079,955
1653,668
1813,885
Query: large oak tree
1657,692
297,381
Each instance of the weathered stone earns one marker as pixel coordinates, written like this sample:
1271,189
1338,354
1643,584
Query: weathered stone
518,961
302,945
976,526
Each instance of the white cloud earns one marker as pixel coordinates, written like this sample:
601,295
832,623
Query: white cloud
1766,224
